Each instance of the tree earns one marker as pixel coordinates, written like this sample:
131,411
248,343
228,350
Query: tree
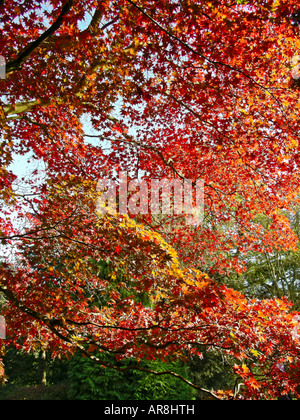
274,273
176,90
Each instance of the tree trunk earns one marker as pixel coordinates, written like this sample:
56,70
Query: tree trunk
43,367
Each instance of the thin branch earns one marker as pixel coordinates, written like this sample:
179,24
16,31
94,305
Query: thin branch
132,142
152,327
52,140
191,49
213,62
106,25
25,235
77,241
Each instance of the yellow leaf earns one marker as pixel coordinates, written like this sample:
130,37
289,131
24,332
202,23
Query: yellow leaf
245,368
254,352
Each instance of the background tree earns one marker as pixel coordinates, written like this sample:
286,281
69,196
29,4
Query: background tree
275,273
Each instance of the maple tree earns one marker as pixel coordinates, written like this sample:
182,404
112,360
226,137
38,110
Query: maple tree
168,89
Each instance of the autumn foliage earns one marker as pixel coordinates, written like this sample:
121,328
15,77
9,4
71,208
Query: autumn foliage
177,89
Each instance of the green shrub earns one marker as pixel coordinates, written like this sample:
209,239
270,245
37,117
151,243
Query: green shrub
89,381
164,387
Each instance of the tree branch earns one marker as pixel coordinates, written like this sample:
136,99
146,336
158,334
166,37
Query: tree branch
17,63
22,107
94,25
